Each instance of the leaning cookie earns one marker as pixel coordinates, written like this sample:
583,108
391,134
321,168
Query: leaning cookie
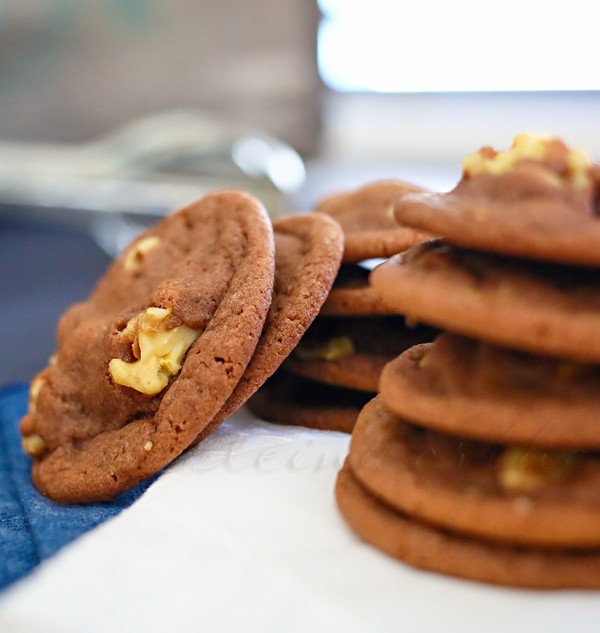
538,199
145,364
308,253
367,221
423,546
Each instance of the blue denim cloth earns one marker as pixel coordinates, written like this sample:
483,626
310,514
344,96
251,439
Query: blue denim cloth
33,528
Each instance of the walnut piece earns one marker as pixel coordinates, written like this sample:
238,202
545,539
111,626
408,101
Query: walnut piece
333,349
135,255
33,445
34,392
159,352
534,149
522,469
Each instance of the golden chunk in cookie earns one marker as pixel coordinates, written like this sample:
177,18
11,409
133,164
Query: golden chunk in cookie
543,155
158,350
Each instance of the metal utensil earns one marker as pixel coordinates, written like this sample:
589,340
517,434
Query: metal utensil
119,184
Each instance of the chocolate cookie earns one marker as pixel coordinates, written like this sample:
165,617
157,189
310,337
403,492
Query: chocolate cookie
308,253
356,371
286,399
427,547
538,307
367,221
512,494
463,387
351,352
538,199
352,295
146,363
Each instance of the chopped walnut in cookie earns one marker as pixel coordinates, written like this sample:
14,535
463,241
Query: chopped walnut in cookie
159,351
34,392
522,470
33,445
332,349
136,253
552,159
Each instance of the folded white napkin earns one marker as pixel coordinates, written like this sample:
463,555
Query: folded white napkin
242,534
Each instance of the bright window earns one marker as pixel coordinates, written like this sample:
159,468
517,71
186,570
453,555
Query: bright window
458,45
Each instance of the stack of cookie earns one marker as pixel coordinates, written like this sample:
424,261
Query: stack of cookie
479,457
335,369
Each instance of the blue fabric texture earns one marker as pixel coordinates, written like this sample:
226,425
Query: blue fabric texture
33,528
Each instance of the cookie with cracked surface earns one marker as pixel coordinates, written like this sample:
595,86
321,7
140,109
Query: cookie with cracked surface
539,307
538,199
146,363
367,221
471,389
506,493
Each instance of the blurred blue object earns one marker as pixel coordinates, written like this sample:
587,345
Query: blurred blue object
44,270
33,528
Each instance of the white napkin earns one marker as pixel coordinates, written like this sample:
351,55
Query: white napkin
242,534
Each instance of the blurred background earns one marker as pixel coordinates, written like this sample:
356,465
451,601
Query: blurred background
71,71
112,112
356,81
